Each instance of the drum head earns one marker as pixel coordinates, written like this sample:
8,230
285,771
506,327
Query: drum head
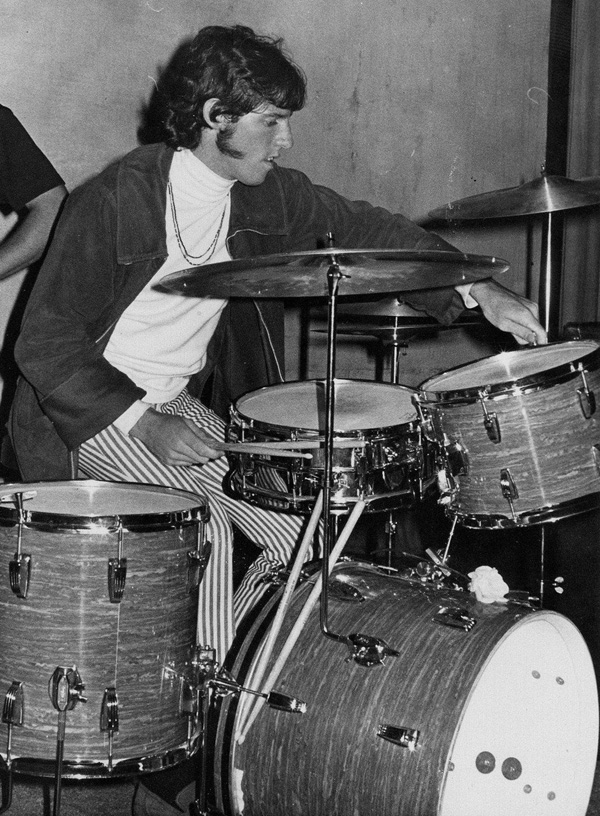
511,367
358,405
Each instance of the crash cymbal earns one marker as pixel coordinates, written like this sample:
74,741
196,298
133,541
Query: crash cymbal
383,307
542,195
304,274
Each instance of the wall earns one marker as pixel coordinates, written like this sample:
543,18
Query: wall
411,104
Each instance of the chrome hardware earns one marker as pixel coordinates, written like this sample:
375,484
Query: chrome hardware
117,571
65,688
343,591
12,713
19,569
225,684
458,459
369,651
587,398
456,617
109,718
490,422
509,489
198,558
398,735
596,455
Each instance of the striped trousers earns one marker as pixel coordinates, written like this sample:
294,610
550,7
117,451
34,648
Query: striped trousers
115,457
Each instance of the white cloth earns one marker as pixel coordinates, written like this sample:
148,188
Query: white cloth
144,344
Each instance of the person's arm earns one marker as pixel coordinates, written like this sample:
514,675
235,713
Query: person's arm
509,312
27,242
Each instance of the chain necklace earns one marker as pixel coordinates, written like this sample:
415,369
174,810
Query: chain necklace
207,254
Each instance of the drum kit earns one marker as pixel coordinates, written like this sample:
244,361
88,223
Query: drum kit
438,703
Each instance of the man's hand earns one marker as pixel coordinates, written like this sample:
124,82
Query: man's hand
509,312
174,439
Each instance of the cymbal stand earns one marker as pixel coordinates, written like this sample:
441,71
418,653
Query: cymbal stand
365,649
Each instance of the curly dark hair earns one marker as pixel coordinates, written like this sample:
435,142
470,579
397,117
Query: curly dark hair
241,69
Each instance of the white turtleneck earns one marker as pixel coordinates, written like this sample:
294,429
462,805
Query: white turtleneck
161,339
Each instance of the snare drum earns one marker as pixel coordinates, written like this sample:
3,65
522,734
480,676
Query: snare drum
99,595
378,453
522,433
496,719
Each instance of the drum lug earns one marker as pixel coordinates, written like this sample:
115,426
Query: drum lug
398,735
368,651
198,558
109,718
490,421
19,569
587,398
456,617
117,575
509,489
117,571
596,455
12,713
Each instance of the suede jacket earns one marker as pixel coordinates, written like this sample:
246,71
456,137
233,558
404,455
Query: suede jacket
110,241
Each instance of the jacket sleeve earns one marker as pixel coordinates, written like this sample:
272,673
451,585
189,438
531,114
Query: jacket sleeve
315,210
71,310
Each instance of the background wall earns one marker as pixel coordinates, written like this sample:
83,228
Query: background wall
411,104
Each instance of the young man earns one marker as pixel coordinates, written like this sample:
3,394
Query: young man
113,368
29,185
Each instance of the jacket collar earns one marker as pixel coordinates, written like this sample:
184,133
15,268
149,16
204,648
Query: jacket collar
142,177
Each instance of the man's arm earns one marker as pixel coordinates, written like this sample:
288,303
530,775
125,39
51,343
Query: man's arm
509,312
28,240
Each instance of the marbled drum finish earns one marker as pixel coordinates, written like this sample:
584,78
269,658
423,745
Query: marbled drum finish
536,701
140,645
546,441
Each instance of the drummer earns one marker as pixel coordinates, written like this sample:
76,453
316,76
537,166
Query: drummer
124,382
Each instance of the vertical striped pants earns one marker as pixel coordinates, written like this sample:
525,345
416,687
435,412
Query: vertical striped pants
116,457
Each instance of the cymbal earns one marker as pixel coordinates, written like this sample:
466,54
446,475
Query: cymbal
304,274
542,195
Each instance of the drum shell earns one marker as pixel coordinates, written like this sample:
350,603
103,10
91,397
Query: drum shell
390,466
141,646
550,448
331,761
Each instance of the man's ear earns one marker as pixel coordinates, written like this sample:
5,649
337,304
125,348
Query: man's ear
214,121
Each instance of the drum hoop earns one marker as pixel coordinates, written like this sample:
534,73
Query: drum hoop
532,383
102,523
551,512
311,433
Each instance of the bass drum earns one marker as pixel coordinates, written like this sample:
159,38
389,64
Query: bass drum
500,718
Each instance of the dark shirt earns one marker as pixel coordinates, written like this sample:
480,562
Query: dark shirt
25,172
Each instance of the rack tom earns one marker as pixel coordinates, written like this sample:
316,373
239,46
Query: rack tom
521,431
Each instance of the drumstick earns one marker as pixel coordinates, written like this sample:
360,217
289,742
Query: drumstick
251,447
304,443
307,539
301,620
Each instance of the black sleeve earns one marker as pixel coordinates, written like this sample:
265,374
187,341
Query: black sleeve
25,172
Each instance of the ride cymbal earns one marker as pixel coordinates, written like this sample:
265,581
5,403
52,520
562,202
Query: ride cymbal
542,195
304,274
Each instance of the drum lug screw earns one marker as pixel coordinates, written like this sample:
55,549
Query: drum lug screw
398,735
